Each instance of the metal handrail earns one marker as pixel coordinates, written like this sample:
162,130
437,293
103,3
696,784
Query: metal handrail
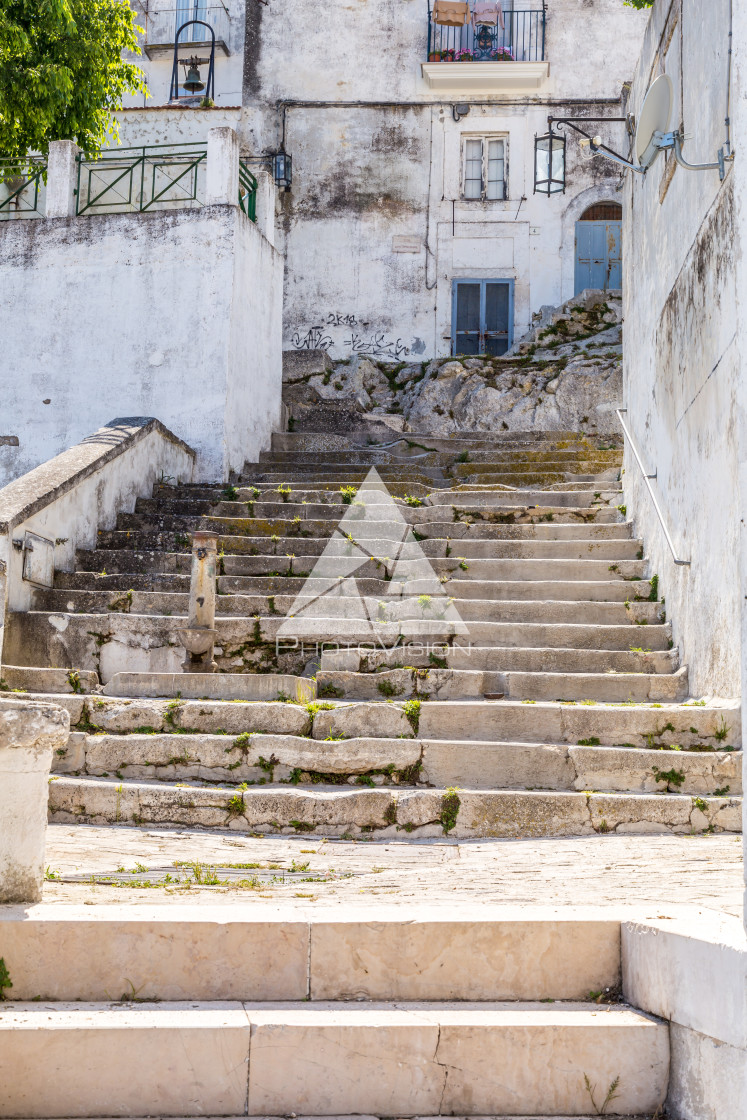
646,478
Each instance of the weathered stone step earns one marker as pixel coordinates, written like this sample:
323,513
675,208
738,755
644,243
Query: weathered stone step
497,659
288,442
397,456
687,726
116,642
370,602
15,678
361,952
468,684
75,1060
332,811
433,521
145,557
292,760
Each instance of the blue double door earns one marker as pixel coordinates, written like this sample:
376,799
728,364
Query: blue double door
598,255
482,316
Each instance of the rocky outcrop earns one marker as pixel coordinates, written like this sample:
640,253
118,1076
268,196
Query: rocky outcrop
564,375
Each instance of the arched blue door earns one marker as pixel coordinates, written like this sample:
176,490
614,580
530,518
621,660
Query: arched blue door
599,247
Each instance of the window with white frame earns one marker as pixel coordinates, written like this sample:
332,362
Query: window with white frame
484,168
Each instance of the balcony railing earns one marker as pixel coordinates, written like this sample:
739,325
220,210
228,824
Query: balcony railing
153,177
521,39
22,190
162,24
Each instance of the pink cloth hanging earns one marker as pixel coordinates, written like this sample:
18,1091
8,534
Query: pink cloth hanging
488,12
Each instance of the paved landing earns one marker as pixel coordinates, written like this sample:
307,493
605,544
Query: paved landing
116,864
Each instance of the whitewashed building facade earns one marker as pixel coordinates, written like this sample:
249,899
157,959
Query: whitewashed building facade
412,216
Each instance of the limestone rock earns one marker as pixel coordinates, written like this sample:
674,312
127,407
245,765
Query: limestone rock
301,364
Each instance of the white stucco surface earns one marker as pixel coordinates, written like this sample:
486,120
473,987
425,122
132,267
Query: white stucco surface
682,357
168,314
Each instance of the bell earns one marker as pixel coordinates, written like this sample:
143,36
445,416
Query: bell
193,82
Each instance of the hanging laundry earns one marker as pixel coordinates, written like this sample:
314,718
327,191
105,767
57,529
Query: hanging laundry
451,13
488,12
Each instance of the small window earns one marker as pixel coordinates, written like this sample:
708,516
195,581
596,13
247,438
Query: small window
484,175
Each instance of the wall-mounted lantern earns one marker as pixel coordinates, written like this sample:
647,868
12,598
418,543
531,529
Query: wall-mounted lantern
282,170
193,82
549,164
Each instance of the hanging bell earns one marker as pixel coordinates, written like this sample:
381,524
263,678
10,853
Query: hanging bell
193,82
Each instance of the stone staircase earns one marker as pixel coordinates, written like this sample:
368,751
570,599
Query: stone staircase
224,1012
535,690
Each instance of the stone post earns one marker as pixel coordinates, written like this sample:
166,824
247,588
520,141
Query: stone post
62,179
29,733
267,194
199,637
222,185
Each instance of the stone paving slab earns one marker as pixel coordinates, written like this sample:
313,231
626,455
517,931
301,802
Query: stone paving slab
656,872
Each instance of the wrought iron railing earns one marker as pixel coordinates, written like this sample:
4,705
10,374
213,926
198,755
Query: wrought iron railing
521,39
155,176
247,191
164,176
22,189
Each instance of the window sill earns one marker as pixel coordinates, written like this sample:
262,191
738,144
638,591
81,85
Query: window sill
484,77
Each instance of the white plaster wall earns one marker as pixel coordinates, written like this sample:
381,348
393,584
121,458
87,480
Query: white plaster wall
140,314
228,69
682,366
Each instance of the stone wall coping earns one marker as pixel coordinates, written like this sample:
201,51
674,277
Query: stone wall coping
26,495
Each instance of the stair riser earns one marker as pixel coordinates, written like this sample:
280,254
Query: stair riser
383,812
358,762
500,660
156,604
377,956
448,684
234,1059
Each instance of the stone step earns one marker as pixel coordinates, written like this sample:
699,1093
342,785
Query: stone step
370,603
213,686
501,659
469,684
288,442
344,1058
286,523
359,952
365,458
262,759
688,726
118,642
329,810
16,678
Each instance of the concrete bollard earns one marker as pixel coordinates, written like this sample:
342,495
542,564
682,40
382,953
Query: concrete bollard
199,637
29,733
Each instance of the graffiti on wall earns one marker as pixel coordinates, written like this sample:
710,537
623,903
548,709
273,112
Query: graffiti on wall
358,340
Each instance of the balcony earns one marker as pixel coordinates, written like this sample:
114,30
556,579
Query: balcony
161,25
487,57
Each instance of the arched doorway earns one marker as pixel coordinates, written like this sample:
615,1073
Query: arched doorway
599,247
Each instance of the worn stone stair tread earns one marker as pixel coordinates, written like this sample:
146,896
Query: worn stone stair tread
212,686
339,811
27,678
454,684
404,763
503,659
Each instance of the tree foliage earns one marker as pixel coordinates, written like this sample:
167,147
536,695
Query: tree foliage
62,72
639,3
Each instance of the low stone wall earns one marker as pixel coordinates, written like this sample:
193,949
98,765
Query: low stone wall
64,502
693,972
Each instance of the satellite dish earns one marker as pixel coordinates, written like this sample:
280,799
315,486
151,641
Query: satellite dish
656,114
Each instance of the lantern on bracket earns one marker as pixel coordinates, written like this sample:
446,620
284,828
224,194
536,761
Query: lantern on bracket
282,170
549,164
